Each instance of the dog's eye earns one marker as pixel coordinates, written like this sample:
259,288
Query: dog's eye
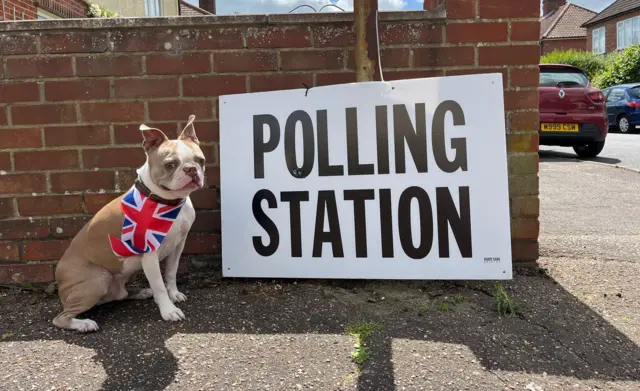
170,166
200,161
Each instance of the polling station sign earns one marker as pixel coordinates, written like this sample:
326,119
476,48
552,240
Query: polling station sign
379,180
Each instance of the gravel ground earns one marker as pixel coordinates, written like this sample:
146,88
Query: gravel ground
579,327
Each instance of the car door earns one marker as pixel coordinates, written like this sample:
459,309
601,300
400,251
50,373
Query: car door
613,104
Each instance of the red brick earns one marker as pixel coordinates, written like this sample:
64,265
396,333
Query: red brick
461,9
50,205
39,67
32,273
6,207
112,112
45,160
245,61
5,161
477,32
43,114
327,79
76,135
213,85
509,9
143,40
18,44
160,40
179,110
146,88
82,181
295,60
525,77
278,37
417,74
11,92
74,42
76,90
131,134
66,227
443,56
201,244
390,58
525,229
206,221
522,142
112,158
525,206
207,131
23,183
413,34
523,121
24,229
126,179
94,202
204,199
260,83
509,55
216,38
3,116
9,252
519,100
50,250
524,250
525,31
213,176
180,63
20,138
478,71
109,65
332,35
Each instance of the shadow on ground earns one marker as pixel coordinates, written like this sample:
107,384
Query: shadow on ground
557,333
557,156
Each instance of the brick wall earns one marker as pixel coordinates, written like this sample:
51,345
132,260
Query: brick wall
549,46
71,100
28,8
611,32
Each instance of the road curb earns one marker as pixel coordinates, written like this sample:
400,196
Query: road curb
635,170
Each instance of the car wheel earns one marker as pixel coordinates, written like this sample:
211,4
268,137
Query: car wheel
590,150
623,124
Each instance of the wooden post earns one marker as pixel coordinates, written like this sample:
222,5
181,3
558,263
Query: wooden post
365,13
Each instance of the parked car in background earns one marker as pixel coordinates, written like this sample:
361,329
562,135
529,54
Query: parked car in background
623,107
572,111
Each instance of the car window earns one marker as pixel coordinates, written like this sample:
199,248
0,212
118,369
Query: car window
634,92
565,78
616,95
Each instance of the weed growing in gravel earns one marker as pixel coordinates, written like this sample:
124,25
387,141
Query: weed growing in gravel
504,304
362,332
444,306
459,298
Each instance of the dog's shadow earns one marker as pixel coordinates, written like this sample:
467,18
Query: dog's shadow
557,334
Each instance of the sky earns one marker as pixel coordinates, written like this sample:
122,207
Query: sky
225,7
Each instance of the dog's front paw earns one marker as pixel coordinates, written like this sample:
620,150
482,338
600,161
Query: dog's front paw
171,313
176,296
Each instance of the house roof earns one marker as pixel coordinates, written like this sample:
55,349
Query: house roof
187,9
616,9
565,22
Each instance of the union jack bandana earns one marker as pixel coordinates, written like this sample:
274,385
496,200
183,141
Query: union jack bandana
147,221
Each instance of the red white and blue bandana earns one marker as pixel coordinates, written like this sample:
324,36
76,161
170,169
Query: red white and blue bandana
146,223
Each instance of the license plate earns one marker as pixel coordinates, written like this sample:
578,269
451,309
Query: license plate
555,127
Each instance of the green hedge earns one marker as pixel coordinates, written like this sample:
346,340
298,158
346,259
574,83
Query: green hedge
603,71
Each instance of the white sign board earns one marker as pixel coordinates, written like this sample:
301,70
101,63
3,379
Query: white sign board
379,180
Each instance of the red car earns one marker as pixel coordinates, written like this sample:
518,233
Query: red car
573,113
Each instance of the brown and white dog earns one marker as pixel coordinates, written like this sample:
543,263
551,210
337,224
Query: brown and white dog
91,273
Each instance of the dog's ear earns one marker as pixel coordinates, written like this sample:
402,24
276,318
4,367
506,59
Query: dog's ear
189,131
152,137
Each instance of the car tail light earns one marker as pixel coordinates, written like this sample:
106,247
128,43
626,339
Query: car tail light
635,105
596,97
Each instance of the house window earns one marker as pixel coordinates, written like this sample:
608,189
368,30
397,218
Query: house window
628,32
598,40
42,14
152,8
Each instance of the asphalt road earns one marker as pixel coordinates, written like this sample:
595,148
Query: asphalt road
620,149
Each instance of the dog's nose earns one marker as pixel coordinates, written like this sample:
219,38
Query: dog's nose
190,170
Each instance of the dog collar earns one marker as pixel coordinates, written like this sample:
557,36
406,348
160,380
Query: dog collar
144,190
